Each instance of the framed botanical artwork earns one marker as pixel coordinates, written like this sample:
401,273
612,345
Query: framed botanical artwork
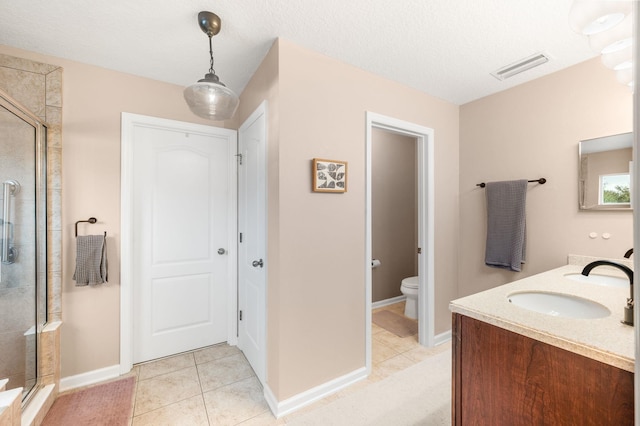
329,175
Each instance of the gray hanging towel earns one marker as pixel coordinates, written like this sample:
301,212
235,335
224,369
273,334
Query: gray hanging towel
91,260
506,224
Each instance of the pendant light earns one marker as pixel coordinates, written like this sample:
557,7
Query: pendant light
209,97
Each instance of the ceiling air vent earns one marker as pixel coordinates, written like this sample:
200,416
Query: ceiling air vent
520,66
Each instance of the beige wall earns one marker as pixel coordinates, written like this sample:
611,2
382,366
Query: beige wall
533,131
394,212
93,99
320,290
316,302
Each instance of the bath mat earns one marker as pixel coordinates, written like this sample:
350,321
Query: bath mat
399,325
108,404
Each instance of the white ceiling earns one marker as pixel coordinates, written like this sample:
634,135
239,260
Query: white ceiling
446,48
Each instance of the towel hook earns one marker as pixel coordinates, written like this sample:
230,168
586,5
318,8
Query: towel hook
90,220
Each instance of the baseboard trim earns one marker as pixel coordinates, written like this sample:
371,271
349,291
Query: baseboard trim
381,303
442,338
89,378
272,402
288,406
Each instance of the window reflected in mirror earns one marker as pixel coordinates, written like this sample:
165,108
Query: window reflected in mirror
605,171
615,189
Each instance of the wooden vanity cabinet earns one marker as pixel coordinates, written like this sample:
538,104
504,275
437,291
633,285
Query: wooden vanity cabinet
504,378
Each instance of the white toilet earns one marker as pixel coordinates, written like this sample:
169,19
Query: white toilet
409,288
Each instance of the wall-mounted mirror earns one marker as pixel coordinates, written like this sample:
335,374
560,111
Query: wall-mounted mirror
604,173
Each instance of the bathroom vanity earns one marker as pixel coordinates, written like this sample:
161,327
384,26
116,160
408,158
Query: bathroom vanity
514,364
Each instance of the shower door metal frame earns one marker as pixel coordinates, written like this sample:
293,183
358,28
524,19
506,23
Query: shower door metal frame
41,306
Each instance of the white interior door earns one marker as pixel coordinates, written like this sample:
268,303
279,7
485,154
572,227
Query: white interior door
252,260
182,188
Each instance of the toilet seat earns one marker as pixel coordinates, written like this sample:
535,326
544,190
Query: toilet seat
410,282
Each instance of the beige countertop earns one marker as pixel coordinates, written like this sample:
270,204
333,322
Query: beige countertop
603,339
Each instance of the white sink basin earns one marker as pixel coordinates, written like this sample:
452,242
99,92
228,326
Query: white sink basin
559,305
606,280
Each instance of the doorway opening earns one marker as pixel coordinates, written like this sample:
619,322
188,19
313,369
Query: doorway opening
394,223
424,224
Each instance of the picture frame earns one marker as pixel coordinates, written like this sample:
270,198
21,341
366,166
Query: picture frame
329,175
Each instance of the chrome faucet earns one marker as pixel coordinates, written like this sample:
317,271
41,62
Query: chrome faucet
628,310
628,254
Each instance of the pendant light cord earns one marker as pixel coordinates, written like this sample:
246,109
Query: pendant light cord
211,70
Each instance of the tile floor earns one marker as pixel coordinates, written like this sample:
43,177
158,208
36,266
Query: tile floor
216,385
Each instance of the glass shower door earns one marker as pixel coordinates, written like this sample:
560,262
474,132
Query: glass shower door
22,245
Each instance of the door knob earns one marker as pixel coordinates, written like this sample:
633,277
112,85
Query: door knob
221,251
257,263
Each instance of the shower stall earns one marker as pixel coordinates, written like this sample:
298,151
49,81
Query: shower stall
23,245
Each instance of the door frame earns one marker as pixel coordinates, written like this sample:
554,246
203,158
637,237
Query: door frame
128,123
426,229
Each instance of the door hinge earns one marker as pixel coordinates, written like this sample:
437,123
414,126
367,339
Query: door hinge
239,158
240,315
241,237
419,250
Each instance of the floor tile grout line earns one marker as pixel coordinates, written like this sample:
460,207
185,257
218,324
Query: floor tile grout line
166,405
166,373
217,359
206,411
229,384
204,402
164,358
172,402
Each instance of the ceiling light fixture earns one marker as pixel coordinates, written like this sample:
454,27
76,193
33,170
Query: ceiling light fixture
209,97
589,17
608,25
520,66
617,60
616,38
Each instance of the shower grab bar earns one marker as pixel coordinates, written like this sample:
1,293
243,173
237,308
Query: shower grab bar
9,188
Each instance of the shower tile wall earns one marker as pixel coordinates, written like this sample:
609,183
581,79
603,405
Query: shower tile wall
38,87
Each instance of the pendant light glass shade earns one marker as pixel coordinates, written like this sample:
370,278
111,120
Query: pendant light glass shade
209,97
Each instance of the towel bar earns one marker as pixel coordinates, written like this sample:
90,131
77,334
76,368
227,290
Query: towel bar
541,181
